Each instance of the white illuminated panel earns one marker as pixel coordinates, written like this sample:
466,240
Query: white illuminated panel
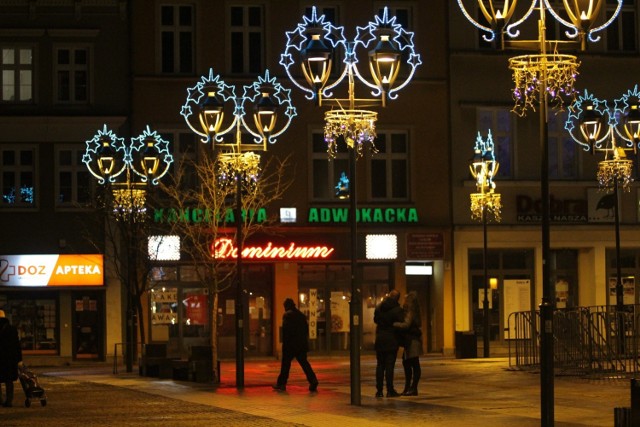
382,246
287,215
418,270
164,248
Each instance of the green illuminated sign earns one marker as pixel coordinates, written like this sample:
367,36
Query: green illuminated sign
199,215
364,215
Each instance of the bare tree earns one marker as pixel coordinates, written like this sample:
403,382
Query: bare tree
122,214
209,185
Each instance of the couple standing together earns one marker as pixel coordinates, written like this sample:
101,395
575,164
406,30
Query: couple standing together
398,326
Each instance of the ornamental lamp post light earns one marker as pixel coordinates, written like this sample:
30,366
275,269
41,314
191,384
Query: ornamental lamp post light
542,78
206,110
313,49
613,131
486,202
128,168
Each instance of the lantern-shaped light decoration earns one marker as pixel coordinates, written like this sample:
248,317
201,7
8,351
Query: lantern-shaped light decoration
484,168
207,100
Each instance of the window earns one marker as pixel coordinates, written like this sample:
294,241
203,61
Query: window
327,173
176,39
73,181
389,167
498,120
18,177
402,14
621,34
72,75
16,65
247,39
183,147
563,151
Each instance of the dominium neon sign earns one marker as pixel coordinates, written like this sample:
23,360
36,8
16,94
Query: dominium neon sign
224,248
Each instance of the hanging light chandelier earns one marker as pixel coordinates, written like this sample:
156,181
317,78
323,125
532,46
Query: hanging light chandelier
316,44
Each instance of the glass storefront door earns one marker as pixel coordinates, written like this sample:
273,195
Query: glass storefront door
324,294
88,321
513,274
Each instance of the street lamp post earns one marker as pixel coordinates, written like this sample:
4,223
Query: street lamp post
596,127
546,77
237,141
128,168
314,46
485,202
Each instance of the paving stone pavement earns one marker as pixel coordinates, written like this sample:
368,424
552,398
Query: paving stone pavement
453,392
77,403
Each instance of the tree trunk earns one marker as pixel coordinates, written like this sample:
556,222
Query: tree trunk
214,339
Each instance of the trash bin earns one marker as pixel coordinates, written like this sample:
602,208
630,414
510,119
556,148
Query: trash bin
466,345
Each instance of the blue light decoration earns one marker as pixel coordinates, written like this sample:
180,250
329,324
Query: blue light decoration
578,25
204,111
614,131
307,44
586,121
108,157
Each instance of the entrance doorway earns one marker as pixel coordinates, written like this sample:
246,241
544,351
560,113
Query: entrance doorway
512,272
88,325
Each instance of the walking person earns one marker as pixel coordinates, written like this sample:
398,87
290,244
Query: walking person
385,315
10,358
295,344
411,338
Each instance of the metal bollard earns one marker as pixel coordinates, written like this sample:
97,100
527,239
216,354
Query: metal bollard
622,417
635,402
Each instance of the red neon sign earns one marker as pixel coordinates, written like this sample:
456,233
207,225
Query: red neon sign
224,248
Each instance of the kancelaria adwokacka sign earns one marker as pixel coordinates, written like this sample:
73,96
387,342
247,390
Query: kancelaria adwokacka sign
51,270
330,215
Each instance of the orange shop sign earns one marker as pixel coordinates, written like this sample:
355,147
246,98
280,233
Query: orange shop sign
51,270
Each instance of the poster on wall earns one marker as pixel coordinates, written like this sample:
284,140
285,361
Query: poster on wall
339,312
481,298
562,293
600,205
628,290
517,297
313,314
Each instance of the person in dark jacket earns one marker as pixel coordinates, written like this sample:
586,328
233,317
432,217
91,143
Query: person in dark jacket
387,341
412,343
10,357
295,344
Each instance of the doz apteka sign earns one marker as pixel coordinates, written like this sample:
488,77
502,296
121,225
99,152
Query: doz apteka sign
51,270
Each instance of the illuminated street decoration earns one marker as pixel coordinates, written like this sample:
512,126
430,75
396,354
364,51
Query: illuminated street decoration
204,111
597,127
315,44
128,168
107,156
484,168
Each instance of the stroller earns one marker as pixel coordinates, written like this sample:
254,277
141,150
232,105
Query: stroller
31,387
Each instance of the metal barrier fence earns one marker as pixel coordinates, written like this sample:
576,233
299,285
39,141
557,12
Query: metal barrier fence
598,341
120,348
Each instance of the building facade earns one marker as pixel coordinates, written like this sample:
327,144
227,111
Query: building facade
71,67
60,82
582,239
402,193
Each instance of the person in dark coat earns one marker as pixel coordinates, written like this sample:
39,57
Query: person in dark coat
295,344
412,343
387,341
10,357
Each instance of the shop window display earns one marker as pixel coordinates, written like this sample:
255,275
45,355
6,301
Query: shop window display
35,320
